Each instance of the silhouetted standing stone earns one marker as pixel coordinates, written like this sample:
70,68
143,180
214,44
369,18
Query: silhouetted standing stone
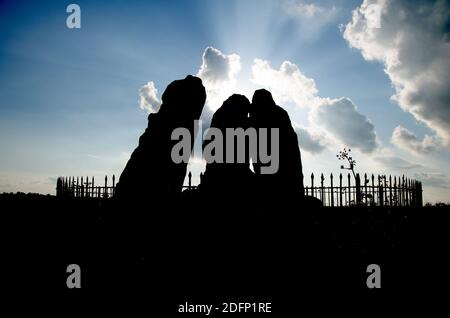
288,180
150,172
225,178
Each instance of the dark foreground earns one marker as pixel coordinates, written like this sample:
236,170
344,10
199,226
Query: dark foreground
205,252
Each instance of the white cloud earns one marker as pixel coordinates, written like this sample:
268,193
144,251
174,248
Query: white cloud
306,9
434,179
337,117
288,84
148,98
340,117
412,40
396,163
405,139
218,73
329,118
309,140
218,67
310,17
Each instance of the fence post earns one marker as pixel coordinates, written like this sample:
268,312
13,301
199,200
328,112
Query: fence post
394,192
411,188
105,192
406,192
397,190
406,203
331,190
58,187
390,190
349,189
312,185
358,189
322,194
410,195
403,189
189,180
114,185
373,190
340,189
366,181
419,195
402,180
411,192
380,190
82,187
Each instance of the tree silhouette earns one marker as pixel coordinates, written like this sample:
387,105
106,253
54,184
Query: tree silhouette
346,156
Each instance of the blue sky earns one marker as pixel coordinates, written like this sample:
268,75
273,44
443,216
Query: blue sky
70,104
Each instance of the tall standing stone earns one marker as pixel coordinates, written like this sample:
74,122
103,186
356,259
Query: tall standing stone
150,171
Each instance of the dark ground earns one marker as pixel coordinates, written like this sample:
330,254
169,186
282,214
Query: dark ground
205,252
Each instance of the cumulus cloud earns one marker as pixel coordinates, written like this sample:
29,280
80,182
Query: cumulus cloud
335,119
434,179
148,98
310,17
397,163
338,117
405,139
412,40
288,84
320,13
310,141
341,118
218,67
306,9
218,73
